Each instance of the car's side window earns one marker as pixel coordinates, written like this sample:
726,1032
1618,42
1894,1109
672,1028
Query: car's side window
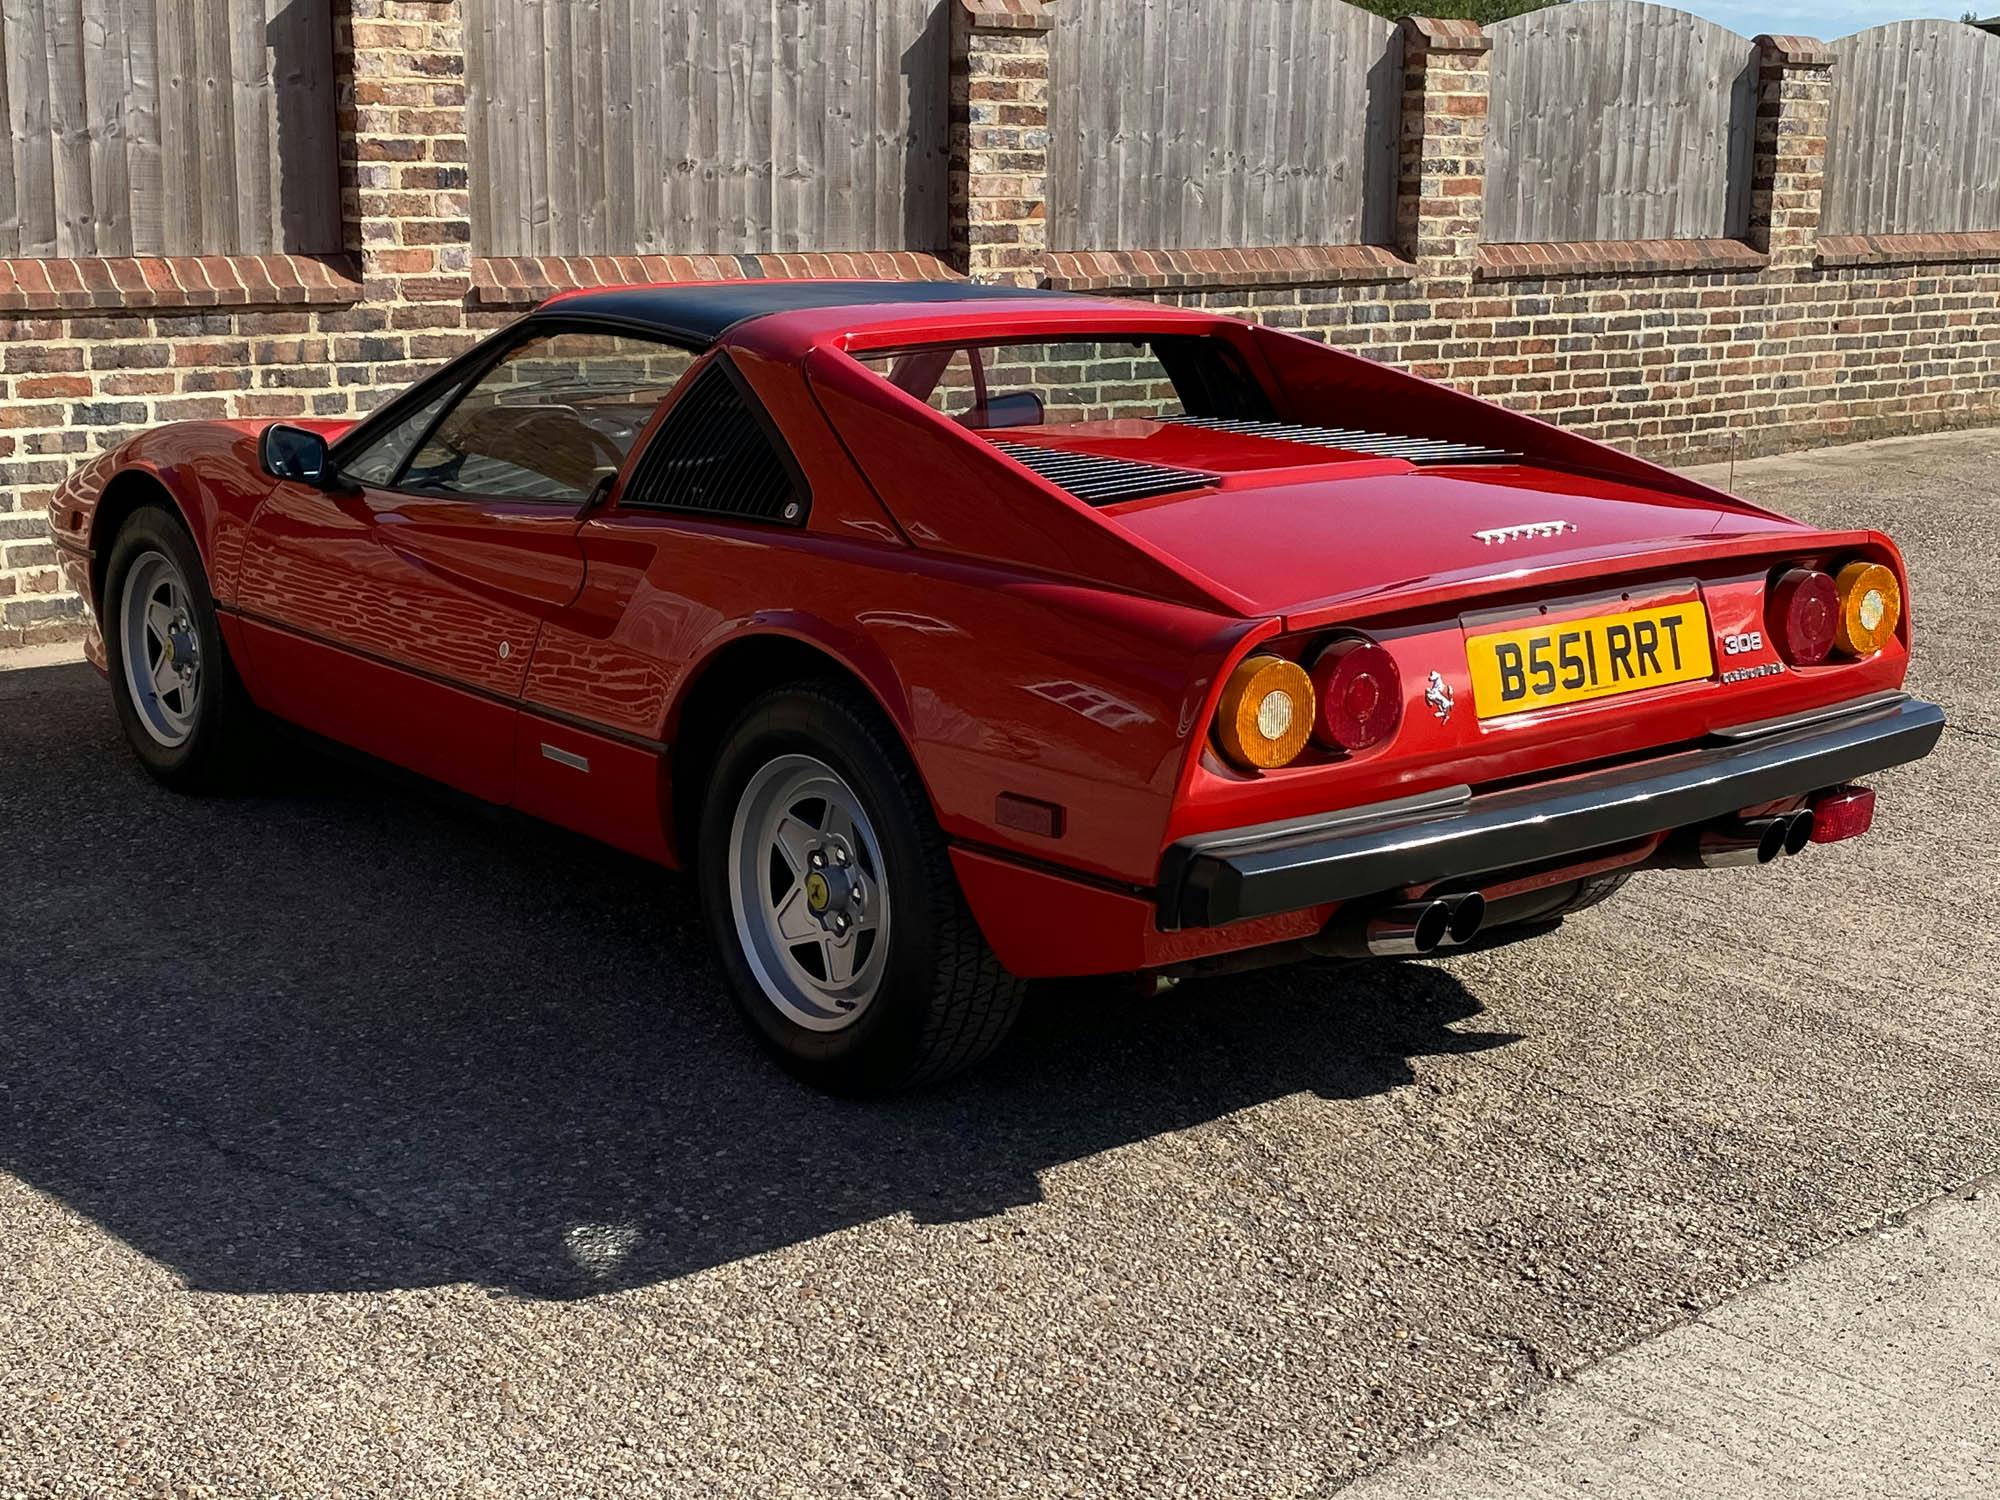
555,415
377,464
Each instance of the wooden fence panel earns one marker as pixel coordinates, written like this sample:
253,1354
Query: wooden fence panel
1616,120
168,127
1198,124
605,127
1913,146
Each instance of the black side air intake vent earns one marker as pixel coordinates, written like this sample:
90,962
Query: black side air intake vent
1418,450
1096,480
715,454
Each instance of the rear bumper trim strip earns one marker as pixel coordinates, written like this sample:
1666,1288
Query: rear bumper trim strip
1365,851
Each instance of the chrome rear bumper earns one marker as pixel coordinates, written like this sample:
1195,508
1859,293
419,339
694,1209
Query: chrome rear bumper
1451,833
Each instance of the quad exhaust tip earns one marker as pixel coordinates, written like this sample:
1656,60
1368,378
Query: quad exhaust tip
1468,915
1752,841
1411,929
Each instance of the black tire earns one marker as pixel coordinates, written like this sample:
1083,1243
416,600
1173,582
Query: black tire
213,753
943,1002
1595,891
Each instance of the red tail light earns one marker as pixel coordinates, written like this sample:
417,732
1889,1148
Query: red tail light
1802,615
1359,694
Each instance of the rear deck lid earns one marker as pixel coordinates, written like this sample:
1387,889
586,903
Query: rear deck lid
1293,543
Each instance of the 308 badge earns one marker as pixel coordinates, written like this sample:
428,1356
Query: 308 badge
1542,666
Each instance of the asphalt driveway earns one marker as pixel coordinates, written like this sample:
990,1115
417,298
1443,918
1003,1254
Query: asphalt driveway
353,1140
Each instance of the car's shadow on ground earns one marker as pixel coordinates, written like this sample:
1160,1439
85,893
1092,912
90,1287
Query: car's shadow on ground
336,1034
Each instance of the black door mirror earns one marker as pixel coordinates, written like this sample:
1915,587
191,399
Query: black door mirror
607,476
296,454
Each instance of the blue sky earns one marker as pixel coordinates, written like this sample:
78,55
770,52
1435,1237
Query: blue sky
1825,19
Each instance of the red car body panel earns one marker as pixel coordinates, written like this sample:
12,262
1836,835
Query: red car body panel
1024,644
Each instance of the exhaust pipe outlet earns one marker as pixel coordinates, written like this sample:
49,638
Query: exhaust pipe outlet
1798,830
1413,927
1742,841
1408,929
1468,915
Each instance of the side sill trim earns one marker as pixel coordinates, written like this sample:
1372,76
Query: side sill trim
1054,867
536,710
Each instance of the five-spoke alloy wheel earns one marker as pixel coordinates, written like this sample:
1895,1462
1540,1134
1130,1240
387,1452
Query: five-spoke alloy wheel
161,651
830,894
807,894
183,711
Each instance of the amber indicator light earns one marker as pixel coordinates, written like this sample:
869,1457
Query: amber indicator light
1266,713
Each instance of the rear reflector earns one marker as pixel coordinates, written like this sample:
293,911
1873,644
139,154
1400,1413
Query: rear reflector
1845,812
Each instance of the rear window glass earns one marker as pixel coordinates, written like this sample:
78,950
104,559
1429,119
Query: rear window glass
1049,384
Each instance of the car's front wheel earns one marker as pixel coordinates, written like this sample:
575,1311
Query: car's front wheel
178,698
831,897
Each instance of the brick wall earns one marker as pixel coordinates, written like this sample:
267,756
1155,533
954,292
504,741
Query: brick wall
1680,349
93,350
1000,138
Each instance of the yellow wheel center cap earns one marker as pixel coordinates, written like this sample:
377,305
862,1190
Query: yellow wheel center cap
816,891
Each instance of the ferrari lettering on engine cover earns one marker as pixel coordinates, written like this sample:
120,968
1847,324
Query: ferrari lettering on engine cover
1524,532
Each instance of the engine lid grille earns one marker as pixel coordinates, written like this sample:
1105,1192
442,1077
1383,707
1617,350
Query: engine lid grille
1097,480
1418,450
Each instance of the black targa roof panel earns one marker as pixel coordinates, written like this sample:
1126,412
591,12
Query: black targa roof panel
707,310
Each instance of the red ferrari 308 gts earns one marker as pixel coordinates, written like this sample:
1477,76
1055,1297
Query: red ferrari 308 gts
958,636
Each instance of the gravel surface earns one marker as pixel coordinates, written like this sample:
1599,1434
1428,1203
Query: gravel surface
354,1142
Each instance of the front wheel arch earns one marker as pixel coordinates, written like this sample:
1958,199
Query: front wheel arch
130,491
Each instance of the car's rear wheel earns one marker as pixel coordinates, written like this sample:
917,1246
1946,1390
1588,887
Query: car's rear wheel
830,894
178,697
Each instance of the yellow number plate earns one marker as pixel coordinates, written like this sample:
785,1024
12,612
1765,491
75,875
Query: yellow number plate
1515,671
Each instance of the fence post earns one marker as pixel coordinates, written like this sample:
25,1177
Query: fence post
1000,139
401,93
1788,169
1441,171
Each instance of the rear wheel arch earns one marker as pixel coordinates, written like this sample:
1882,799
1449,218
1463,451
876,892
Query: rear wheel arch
725,683
921,994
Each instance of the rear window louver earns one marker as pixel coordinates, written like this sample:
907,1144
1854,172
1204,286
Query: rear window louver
1418,450
1097,480
712,455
